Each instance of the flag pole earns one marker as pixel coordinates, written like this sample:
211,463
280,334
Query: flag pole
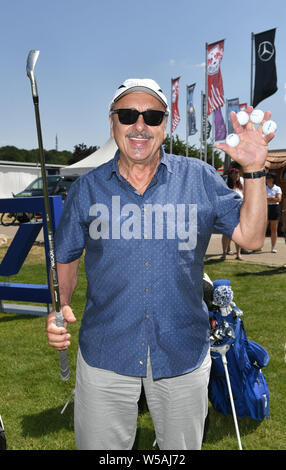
251,71
206,106
213,139
187,122
171,117
202,123
226,156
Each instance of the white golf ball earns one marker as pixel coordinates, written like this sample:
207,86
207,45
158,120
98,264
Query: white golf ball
257,116
269,126
242,117
232,140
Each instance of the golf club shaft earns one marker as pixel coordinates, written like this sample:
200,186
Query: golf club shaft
65,374
224,360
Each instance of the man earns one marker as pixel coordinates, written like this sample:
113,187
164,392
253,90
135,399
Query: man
144,220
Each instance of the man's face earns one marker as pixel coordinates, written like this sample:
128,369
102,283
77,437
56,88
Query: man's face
138,142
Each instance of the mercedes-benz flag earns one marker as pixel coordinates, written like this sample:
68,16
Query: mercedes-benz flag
265,83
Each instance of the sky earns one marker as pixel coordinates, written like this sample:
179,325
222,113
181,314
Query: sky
89,47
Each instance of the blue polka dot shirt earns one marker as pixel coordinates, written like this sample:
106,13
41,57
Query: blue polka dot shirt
144,262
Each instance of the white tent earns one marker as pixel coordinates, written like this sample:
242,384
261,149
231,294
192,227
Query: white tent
100,156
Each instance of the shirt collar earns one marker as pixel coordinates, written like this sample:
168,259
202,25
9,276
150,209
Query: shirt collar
165,160
114,166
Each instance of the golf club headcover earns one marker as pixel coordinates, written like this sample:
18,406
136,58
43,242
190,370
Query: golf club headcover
222,298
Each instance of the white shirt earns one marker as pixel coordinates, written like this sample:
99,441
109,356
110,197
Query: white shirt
240,191
273,192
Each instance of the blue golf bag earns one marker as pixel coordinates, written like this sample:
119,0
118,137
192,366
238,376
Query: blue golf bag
245,358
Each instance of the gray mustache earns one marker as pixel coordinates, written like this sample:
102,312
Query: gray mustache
143,134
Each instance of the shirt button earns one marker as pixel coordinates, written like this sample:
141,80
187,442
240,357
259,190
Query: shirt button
147,315
146,289
143,344
146,263
141,363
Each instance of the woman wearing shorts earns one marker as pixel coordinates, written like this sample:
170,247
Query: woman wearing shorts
235,182
274,196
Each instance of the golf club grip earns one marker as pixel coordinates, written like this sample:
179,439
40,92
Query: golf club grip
64,366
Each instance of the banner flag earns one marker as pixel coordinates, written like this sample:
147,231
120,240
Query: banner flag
175,103
220,127
206,125
232,105
215,86
265,83
191,115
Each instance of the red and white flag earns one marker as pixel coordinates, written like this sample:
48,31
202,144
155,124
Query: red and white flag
175,102
215,86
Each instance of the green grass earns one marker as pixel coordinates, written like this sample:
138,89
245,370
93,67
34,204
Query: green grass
32,394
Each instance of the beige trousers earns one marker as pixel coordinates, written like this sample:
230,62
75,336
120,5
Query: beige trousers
106,408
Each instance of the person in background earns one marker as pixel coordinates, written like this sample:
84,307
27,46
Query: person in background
274,197
235,182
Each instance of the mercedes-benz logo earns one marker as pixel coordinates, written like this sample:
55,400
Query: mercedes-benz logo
265,51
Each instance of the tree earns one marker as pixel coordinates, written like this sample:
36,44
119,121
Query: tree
81,151
179,148
13,154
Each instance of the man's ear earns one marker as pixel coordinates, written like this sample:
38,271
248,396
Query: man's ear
111,126
165,133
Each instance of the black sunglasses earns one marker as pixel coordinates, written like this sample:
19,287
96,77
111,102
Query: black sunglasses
151,117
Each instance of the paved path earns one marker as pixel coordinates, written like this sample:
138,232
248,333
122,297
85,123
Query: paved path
9,232
265,256
214,250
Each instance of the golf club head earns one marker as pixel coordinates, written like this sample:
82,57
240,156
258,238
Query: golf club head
31,62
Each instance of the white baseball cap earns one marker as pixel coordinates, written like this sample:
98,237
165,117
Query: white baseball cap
144,85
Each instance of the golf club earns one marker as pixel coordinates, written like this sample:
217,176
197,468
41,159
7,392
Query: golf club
3,444
31,62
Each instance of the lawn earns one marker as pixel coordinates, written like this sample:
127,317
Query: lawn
32,394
